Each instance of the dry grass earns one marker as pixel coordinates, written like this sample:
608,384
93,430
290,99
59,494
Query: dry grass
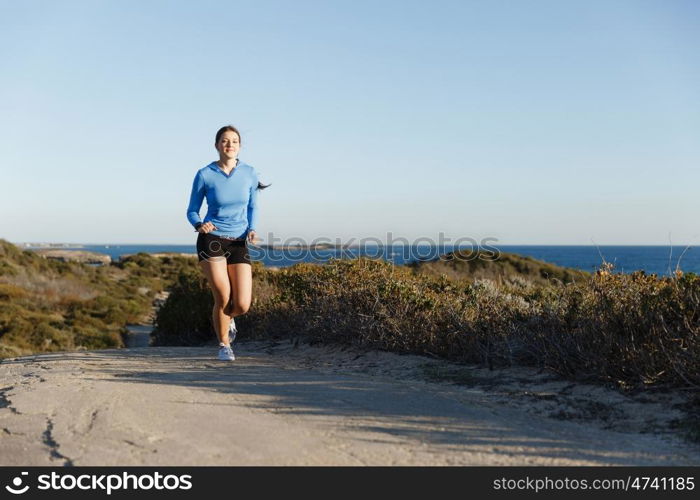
52,289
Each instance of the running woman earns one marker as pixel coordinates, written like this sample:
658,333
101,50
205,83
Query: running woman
230,187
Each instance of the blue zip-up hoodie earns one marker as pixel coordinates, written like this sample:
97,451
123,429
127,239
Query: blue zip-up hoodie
231,199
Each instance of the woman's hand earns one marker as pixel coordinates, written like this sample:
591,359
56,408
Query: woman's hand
207,227
252,236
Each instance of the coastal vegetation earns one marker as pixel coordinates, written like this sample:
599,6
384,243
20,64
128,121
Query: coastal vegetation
631,330
51,305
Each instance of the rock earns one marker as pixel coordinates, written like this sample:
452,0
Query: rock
82,256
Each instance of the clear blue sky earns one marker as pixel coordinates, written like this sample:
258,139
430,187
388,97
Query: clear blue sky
539,122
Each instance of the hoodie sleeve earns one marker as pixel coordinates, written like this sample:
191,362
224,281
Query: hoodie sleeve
253,202
196,199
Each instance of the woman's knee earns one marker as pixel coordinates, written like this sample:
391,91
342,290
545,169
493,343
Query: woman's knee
240,307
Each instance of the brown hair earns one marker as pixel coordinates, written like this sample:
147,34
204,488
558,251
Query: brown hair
227,128
231,128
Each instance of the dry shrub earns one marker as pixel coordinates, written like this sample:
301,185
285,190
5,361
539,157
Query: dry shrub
185,317
631,329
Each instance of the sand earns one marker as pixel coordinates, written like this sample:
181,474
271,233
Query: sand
281,404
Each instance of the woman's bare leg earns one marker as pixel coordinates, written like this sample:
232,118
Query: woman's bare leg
241,279
215,271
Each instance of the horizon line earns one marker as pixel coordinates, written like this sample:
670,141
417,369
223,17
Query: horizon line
192,244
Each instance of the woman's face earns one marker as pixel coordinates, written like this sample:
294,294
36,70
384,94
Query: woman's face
229,144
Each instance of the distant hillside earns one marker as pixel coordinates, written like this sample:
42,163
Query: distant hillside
465,265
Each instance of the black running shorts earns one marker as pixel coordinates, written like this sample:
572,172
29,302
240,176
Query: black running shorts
210,245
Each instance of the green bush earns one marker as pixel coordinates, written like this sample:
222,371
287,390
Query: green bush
185,318
48,338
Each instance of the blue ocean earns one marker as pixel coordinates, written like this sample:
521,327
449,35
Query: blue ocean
660,260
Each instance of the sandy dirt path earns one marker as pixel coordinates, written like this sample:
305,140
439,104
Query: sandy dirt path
281,405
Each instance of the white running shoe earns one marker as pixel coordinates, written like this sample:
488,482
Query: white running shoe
232,331
226,353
